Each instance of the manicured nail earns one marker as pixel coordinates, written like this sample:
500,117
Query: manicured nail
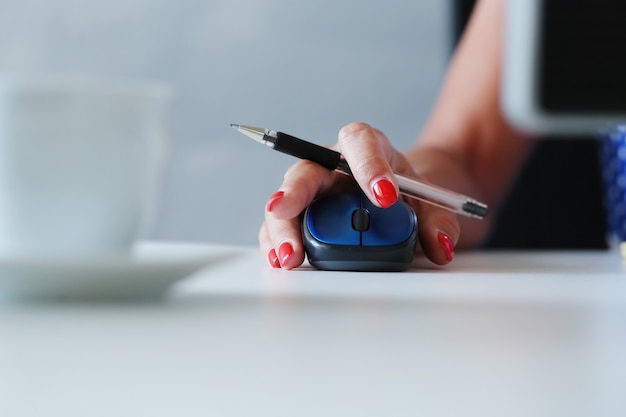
273,259
285,250
273,199
447,245
385,193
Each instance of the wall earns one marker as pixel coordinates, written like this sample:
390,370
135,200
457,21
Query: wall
306,68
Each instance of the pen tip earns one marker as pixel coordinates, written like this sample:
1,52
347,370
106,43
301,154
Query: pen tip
255,133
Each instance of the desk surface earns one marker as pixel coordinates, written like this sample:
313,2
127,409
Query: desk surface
493,334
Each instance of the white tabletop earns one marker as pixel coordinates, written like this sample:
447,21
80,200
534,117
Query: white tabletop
493,334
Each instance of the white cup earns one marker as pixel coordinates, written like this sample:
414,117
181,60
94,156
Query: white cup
80,162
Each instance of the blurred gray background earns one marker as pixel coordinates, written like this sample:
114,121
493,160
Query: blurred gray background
302,67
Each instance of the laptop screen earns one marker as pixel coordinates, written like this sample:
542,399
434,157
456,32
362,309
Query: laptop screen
582,56
564,66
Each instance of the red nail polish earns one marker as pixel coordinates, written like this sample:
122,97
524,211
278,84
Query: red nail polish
285,250
273,259
385,193
273,199
447,245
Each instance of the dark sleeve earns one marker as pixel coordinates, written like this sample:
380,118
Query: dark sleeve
557,202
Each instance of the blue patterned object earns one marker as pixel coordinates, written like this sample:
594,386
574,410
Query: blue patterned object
613,154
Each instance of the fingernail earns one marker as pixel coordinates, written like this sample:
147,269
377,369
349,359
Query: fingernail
385,193
285,250
273,259
447,245
273,199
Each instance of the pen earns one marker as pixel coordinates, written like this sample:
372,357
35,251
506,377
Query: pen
332,160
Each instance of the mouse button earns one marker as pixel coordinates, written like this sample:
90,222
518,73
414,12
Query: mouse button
388,226
360,220
329,219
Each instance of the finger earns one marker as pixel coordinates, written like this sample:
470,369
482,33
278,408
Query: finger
281,242
266,247
280,236
302,183
438,232
366,151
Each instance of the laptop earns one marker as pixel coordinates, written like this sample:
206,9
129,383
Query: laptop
564,68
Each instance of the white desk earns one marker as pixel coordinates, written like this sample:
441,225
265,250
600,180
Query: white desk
504,334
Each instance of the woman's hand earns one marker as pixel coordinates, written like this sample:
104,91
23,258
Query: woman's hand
467,146
372,160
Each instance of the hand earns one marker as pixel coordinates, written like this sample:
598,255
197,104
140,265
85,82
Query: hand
372,160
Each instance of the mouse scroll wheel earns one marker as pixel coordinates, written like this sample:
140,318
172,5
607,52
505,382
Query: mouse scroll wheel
360,220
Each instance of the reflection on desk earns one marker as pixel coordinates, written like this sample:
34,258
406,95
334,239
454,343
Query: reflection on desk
493,334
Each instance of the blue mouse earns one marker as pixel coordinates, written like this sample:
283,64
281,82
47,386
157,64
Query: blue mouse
348,232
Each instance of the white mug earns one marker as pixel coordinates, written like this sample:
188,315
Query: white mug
80,162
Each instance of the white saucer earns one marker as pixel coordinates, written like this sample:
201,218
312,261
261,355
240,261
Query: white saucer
147,272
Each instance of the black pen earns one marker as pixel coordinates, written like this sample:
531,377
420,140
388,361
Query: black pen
410,187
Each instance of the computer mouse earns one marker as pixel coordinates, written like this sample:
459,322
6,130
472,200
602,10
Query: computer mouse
347,232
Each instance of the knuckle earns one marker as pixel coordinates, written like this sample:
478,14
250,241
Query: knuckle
353,131
366,165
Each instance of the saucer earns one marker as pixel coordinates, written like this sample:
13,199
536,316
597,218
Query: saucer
147,272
